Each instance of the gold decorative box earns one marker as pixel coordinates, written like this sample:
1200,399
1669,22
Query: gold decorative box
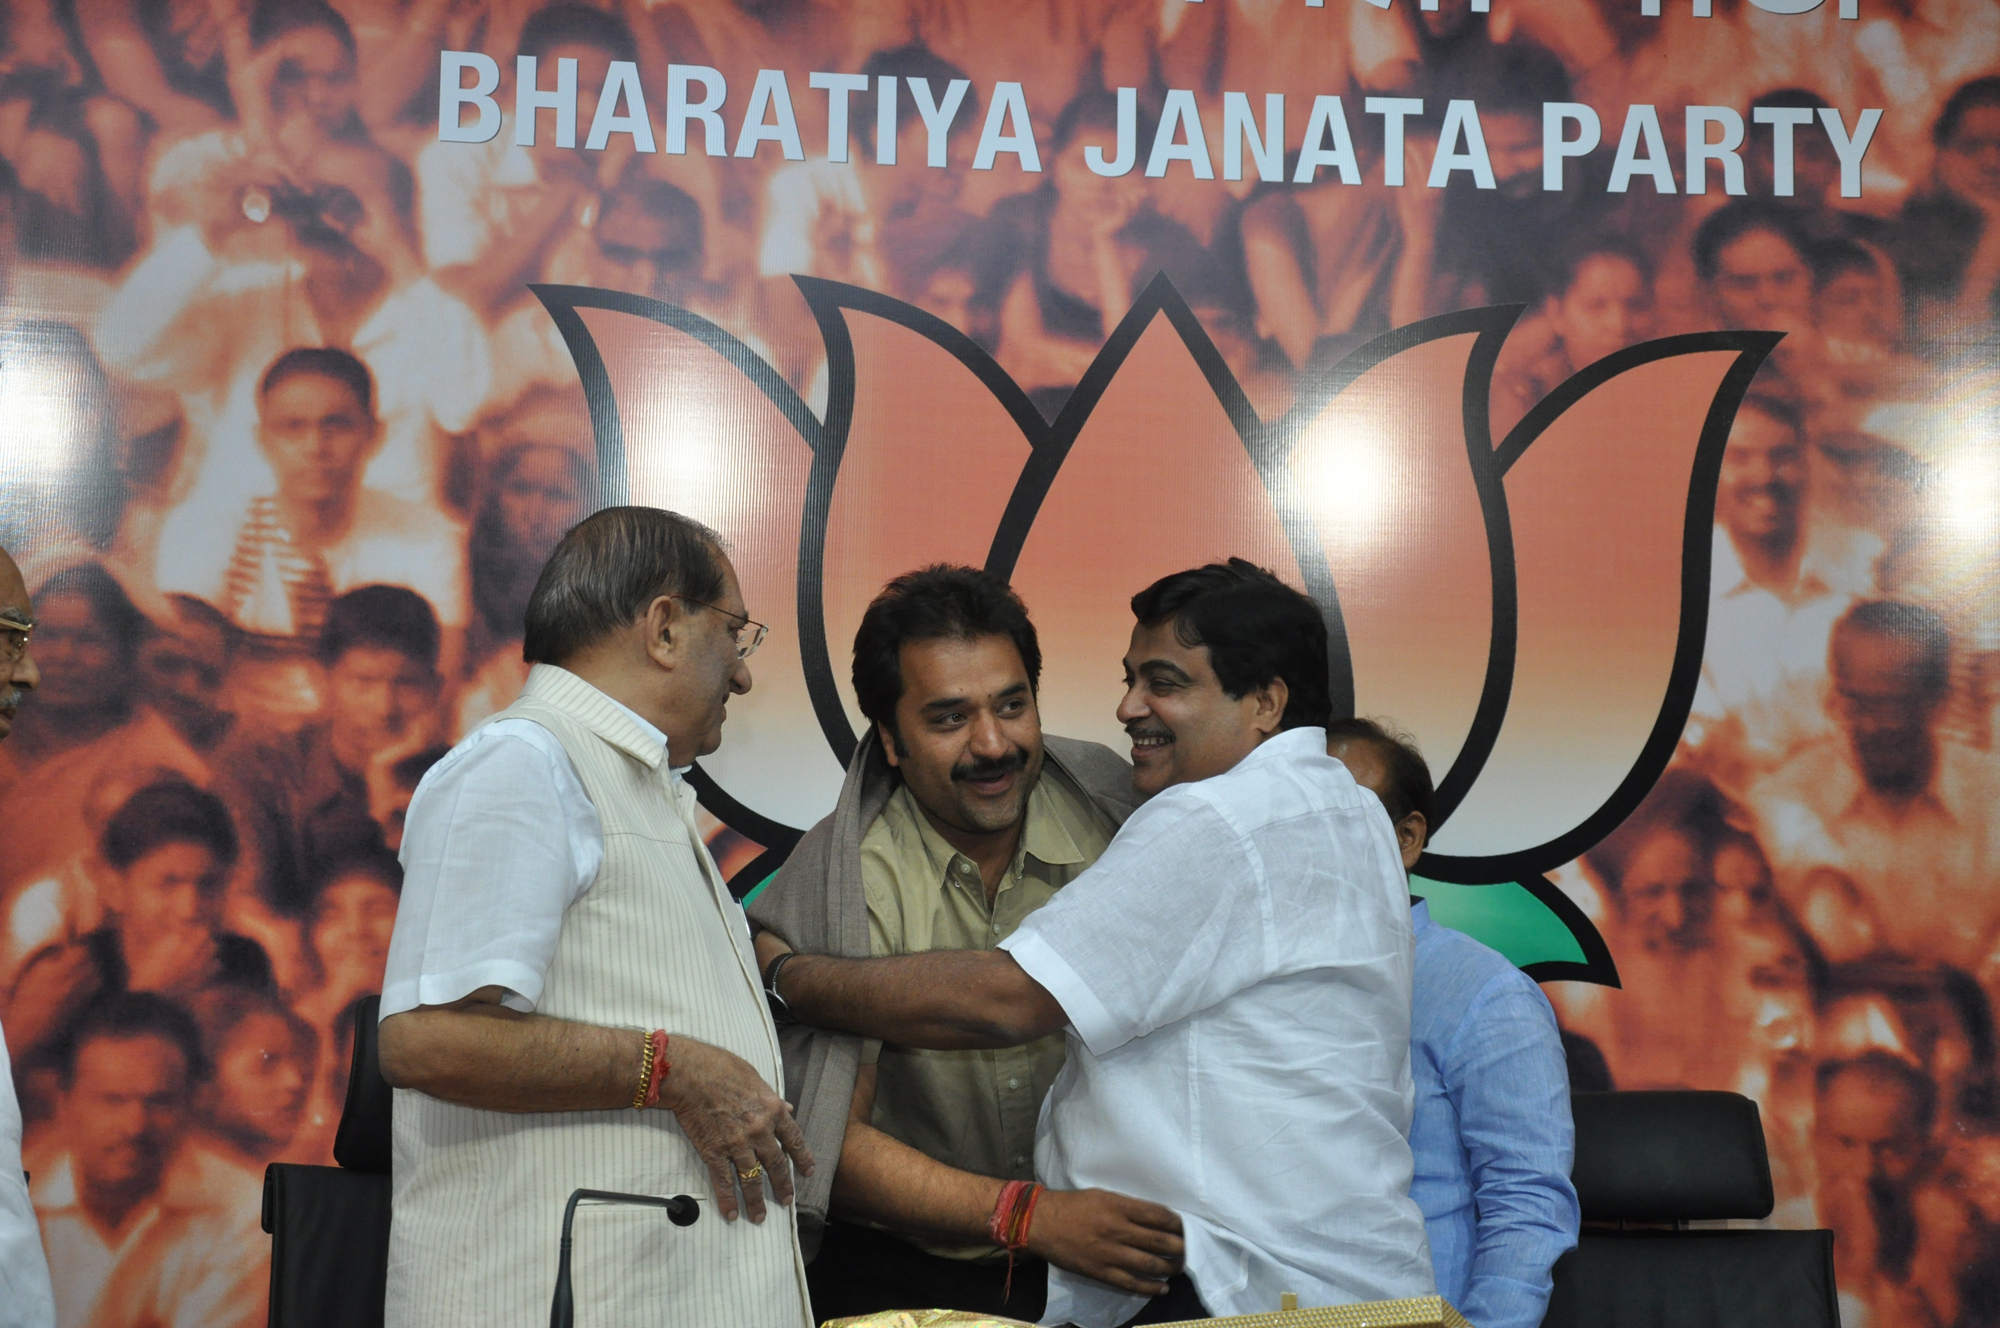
1417,1312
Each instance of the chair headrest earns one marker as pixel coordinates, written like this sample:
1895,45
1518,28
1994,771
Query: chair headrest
1670,1157
363,1141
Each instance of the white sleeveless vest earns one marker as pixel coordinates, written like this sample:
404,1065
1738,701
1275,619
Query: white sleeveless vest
656,941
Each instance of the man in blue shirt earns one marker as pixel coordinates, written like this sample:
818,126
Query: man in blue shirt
1492,1135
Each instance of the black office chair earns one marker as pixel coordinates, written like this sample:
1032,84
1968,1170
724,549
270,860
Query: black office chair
1647,1164
330,1225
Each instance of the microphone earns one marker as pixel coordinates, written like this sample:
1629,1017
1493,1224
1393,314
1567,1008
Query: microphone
682,1211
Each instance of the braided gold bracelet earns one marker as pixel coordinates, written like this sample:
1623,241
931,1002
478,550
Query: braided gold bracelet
645,1074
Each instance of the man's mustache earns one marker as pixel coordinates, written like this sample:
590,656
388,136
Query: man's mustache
982,770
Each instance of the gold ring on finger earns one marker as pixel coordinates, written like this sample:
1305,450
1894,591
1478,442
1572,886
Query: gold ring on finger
752,1174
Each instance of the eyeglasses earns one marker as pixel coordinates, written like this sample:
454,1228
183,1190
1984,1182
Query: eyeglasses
14,634
749,633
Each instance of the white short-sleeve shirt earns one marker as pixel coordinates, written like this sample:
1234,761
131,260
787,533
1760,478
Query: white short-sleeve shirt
499,841
1236,973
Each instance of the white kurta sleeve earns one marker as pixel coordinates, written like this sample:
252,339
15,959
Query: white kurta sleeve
1171,920
500,840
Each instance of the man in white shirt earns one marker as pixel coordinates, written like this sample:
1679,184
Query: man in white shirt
25,1299
1890,799
566,957
1778,581
1233,974
320,532
143,1228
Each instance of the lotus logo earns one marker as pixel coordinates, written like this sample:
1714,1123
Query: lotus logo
1533,611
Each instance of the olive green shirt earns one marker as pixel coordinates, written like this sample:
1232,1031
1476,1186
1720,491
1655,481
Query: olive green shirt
973,1110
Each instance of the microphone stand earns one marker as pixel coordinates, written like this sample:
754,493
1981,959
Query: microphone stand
682,1211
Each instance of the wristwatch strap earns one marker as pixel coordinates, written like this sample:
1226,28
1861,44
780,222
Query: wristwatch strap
781,1013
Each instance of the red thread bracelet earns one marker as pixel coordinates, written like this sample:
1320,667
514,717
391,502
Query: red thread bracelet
1008,1226
1003,1211
661,1066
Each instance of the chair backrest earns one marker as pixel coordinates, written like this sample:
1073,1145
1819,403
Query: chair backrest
1669,1157
329,1246
1672,1157
1696,1279
330,1225
363,1142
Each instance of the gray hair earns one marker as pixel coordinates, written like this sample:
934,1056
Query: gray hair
608,568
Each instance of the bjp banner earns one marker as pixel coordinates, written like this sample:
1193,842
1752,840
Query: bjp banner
1618,376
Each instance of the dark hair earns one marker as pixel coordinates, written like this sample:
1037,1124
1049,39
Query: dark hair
1514,77
1979,93
1979,1096
503,571
383,617
1885,1066
272,19
939,602
677,210
1738,218
131,1014
1912,623
1831,257
172,811
1569,260
911,60
1256,629
220,1011
192,610
377,864
109,604
1409,775
410,771
1799,99
321,362
1681,803
570,24
1780,408
608,568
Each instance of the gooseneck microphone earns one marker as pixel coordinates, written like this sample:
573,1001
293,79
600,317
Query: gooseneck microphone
682,1211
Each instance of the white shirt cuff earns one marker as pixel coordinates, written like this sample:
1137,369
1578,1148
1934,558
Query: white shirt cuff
1087,1015
523,987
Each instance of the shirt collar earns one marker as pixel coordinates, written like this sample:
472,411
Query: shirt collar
1420,915
645,726
1292,745
675,773
54,1186
1043,837
1728,577
560,679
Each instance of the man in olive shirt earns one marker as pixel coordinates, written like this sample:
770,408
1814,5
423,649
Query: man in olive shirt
972,1110
958,819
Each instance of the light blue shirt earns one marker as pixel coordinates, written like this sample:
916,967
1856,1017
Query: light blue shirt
1492,1134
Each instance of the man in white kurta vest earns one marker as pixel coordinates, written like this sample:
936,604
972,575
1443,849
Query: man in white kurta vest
571,999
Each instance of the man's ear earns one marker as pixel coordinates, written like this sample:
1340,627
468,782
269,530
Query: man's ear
664,626
889,744
1411,832
1269,711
